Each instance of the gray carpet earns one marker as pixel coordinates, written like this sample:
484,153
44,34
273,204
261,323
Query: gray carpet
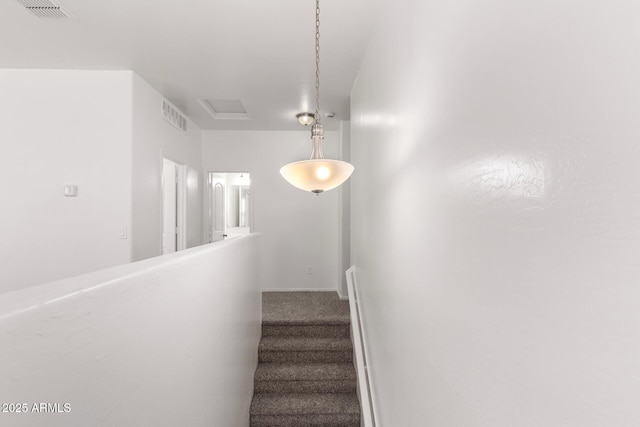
304,308
305,374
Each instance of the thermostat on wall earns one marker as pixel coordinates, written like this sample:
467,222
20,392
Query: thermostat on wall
70,190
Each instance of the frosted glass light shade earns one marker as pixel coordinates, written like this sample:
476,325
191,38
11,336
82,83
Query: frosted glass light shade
305,118
317,175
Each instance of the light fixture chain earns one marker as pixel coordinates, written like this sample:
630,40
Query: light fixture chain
317,174
317,115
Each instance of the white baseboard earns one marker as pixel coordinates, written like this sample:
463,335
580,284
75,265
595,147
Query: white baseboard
364,387
299,290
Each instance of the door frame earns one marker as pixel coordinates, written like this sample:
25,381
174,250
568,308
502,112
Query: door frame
209,203
181,204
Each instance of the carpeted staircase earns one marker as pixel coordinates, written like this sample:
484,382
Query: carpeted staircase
305,374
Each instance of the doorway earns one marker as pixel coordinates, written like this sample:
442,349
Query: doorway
230,212
173,207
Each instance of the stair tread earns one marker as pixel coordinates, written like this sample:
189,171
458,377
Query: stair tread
323,321
319,330
304,403
305,372
293,343
304,308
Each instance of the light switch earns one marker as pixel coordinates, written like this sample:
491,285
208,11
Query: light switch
70,190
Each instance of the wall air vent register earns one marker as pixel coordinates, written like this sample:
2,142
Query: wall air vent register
173,116
46,9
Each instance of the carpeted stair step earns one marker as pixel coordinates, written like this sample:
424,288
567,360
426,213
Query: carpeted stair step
304,308
305,378
295,410
311,331
308,314
305,375
302,349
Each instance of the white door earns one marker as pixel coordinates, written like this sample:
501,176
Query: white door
169,207
217,212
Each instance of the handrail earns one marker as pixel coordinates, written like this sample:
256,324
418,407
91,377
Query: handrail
368,409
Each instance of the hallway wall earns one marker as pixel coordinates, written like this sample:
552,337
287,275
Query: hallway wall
58,128
153,139
496,212
299,229
99,130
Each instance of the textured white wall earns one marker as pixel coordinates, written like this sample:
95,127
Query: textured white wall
100,130
496,212
345,234
166,341
153,139
59,128
299,229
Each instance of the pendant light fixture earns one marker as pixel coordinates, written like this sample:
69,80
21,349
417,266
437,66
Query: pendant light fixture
305,118
317,174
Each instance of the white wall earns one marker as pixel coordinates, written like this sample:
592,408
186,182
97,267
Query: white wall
496,212
165,341
345,209
59,128
153,139
299,229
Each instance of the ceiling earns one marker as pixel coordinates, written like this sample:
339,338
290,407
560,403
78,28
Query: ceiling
258,52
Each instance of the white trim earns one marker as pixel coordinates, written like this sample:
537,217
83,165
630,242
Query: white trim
181,204
207,204
299,290
181,197
342,297
365,388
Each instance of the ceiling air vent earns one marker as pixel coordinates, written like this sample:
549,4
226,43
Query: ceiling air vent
46,9
173,116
